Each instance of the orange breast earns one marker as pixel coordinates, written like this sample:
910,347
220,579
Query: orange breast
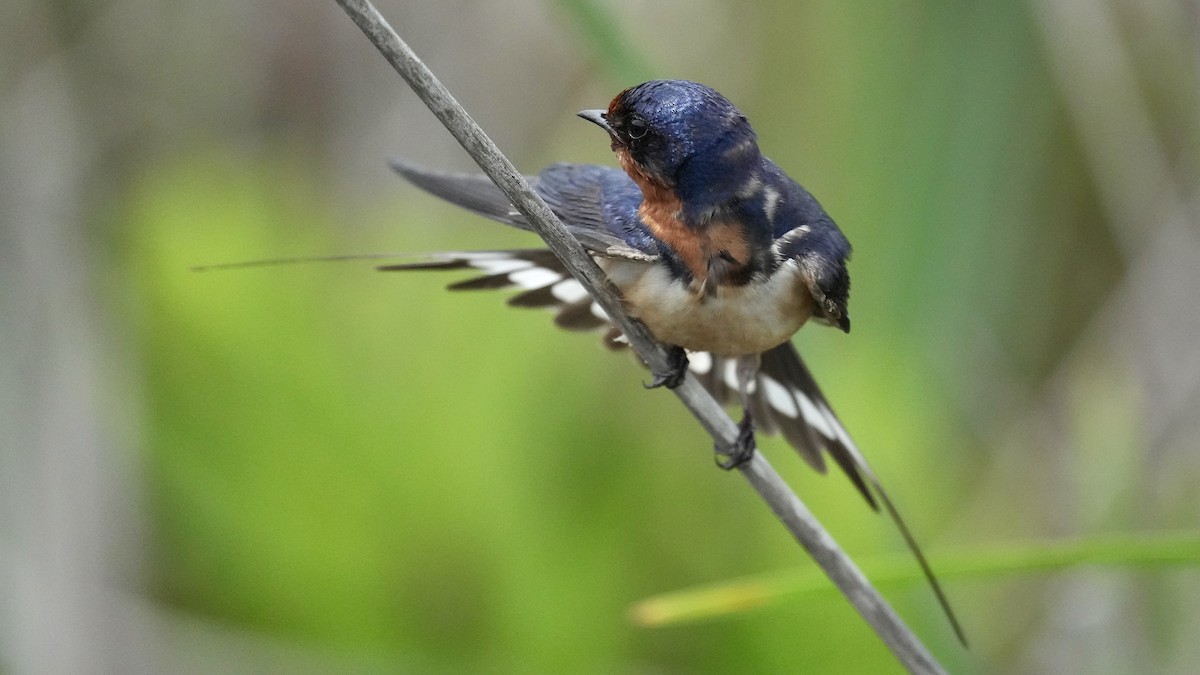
662,211
720,241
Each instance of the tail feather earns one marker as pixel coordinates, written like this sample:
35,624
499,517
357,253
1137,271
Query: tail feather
785,399
784,362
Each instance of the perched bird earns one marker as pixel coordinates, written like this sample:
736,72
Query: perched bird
721,254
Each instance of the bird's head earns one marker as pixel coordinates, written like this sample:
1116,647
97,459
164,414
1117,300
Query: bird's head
678,135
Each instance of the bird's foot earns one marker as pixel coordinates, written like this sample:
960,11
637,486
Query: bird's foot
677,370
742,449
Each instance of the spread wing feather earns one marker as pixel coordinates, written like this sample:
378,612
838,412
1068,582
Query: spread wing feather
598,204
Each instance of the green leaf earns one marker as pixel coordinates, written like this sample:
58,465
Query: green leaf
737,596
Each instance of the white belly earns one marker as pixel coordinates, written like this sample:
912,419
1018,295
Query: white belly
736,320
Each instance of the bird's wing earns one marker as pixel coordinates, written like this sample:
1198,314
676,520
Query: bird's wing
802,232
597,204
820,251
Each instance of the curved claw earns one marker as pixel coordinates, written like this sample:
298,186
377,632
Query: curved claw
742,449
674,376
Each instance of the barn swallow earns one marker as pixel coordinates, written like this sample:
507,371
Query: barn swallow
711,245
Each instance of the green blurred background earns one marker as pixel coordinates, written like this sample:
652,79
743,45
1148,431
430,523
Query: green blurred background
323,468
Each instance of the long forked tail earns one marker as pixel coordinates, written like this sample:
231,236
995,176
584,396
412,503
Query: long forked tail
786,398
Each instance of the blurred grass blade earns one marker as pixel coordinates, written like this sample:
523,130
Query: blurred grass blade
1138,551
595,22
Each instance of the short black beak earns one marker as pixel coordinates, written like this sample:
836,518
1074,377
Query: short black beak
596,117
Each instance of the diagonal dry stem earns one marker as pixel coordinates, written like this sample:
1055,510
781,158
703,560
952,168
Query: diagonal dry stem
779,497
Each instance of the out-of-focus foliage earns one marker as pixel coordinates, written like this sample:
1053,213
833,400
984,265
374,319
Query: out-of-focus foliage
324,468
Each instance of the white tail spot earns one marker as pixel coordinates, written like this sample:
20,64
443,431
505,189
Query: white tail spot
730,374
569,291
700,362
841,435
814,417
497,265
779,397
534,278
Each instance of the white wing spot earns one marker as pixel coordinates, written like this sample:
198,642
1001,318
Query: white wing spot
598,312
750,188
747,145
771,202
792,234
534,278
569,291
779,397
700,362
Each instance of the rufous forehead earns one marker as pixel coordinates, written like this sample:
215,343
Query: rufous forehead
618,101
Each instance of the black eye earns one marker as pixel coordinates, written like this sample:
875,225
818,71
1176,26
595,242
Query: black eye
637,127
